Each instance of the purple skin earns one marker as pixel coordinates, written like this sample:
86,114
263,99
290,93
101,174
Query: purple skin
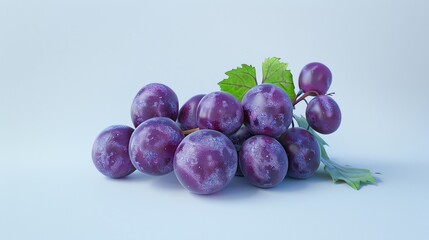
220,111
153,144
188,113
315,77
303,152
263,161
323,114
154,100
110,152
267,110
205,162
238,139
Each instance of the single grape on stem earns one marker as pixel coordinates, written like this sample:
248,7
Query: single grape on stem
323,114
315,77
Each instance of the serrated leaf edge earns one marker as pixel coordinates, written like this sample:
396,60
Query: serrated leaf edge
331,164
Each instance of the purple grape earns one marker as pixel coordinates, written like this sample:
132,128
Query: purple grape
220,111
205,162
315,77
323,114
267,110
238,139
303,152
240,136
263,161
110,152
154,100
153,144
188,113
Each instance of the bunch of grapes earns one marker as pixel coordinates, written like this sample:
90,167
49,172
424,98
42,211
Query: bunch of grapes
214,137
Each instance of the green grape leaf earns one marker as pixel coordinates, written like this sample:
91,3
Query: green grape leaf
352,176
239,81
276,72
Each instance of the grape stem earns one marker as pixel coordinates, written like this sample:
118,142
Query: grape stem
298,94
189,131
306,94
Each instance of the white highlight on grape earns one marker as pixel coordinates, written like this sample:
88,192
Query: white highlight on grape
191,156
212,182
269,160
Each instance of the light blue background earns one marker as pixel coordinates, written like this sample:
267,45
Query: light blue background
68,69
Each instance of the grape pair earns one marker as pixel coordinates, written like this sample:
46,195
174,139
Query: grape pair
323,113
265,109
206,160
119,150
265,161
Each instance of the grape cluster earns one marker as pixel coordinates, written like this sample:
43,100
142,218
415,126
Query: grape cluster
214,137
